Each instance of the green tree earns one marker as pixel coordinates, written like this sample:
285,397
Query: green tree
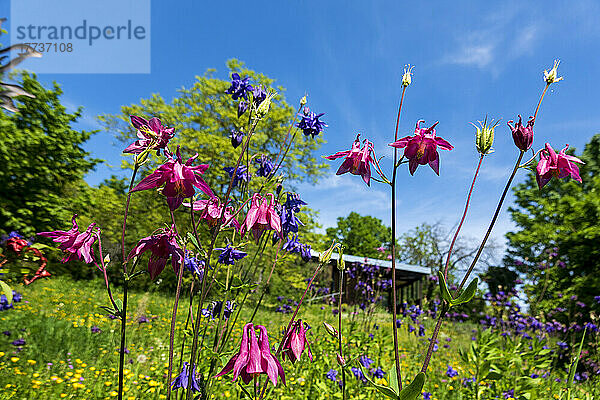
556,245
42,160
361,235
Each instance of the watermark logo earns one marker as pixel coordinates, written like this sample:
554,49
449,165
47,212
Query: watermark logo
75,36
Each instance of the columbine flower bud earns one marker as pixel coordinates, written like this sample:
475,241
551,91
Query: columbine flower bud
330,329
325,256
341,264
407,77
522,135
341,360
263,107
303,101
485,136
552,75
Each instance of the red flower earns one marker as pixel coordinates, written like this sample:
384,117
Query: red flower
151,134
261,216
254,357
421,148
162,245
77,245
556,165
358,160
522,135
211,210
295,342
179,180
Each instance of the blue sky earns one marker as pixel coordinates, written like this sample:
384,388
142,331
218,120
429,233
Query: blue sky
471,59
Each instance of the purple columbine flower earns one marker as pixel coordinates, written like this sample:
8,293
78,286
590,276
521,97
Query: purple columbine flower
143,319
179,180
181,381
242,174
451,372
332,375
95,329
421,148
378,373
287,214
559,165
75,244
242,107
597,299
214,309
305,252
310,123
365,361
265,166
239,87
193,265
7,333
18,342
426,396
522,135
258,95
229,255
162,244
236,138
151,134
358,374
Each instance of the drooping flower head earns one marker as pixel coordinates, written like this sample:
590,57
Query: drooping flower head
254,357
236,138
287,213
295,342
421,148
262,216
357,160
241,174
265,166
211,210
239,87
559,165
258,95
310,123
194,265
242,107
181,381
229,255
214,309
162,245
179,180
76,245
151,134
522,135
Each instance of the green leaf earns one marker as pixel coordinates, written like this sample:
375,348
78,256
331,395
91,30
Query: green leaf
7,292
192,239
394,379
492,376
389,392
573,366
444,288
467,294
412,391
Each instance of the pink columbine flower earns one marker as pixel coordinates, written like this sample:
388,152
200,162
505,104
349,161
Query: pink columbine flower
151,134
421,148
295,342
77,245
261,216
556,165
179,180
211,210
254,357
162,244
522,135
357,160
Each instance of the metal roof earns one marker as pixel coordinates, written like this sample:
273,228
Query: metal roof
374,261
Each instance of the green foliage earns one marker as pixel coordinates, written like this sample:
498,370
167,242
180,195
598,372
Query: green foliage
42,160
465,296
564,216
360,235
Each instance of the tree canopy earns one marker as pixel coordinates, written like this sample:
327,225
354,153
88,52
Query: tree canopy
361,235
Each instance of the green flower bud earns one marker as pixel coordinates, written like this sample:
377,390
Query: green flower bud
407,77
552,75
303,101
325,256
485,136
341,264
330,329
263,108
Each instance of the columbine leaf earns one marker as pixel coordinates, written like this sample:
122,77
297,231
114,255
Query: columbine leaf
444,288
192,239
7,292
467,294
573,366
394,379
492,376
412,391
389,392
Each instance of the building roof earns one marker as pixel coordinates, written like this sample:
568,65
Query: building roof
373,261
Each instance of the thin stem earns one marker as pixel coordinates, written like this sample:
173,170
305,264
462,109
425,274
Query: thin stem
122,347
393,248
135,169
540,102
340,349
110,296
463,218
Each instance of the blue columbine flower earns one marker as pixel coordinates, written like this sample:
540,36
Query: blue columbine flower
181,381
258,95
289,221
242,107
358,374
214,309
378,373
241,174
426,396
239,87
365,361
451,372
236,138
310,123
193,265
332,375
229,255
265,166
305,252
293,245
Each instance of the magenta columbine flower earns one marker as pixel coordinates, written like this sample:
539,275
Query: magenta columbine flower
76,245
357,160
522,135
151,134
295,342
421,148
211,210
262,216
179,180
162,244
559,165
254,357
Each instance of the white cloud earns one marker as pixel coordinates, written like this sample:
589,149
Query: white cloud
479,55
